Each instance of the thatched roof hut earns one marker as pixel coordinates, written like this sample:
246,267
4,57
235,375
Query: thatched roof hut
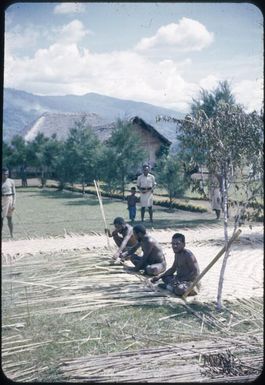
61,123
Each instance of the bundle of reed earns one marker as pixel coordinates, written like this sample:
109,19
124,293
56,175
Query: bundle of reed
87,280
83,281
164,364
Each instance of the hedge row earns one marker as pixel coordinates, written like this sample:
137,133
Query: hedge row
187,207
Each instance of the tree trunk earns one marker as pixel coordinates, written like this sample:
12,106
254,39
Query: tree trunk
23,176
123,186
225,207
43,178
170,200
61,185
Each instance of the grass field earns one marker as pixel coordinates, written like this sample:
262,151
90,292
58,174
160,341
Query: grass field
48,212
70,316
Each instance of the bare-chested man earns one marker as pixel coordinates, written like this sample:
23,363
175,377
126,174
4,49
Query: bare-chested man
186,266
152,261
123,236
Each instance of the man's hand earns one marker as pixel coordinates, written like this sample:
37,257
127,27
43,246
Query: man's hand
154,279
107,232
124,255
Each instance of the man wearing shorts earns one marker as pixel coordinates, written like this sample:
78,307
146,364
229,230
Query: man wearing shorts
8,199
185,266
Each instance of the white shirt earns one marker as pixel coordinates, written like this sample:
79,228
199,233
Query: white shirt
8,187
146,181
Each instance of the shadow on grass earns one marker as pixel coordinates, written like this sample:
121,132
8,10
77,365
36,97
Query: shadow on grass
57,194
75,198
173,223
87,201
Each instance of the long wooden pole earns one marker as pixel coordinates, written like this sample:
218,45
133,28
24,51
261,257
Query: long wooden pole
207,268
102,210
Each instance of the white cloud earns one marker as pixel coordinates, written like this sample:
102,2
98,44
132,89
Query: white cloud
72,32
66,8
250,94
209,83
187,35
64,68
19,38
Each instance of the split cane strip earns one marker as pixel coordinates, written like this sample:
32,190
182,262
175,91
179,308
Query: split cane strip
221,252
102,210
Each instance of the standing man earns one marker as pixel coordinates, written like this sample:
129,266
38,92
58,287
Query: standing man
146,184
215,195
185,266
8,199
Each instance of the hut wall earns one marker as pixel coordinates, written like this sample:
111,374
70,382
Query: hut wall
149,143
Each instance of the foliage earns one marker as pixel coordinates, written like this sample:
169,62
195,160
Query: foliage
121,157
170,175
162,151
7,153
44,153
81,154
231,142
209,100
222,137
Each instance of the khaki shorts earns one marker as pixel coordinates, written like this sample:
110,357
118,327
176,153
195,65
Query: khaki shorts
7,206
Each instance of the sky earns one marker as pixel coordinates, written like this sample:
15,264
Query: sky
158,53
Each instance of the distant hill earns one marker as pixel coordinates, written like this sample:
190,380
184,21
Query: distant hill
22,109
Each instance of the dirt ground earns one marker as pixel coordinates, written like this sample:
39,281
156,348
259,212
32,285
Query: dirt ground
244,270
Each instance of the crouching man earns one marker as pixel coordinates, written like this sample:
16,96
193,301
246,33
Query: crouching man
185,266
123,237
152,262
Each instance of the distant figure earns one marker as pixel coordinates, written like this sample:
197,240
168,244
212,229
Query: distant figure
23,175
185,266
146,184
215,196
8,199
131,201
153,260
122,235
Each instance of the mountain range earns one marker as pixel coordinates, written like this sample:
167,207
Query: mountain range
22,109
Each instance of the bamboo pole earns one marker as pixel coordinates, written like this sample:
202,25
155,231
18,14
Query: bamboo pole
102,210
221,252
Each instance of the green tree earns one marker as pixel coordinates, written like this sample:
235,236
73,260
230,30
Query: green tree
209,100
20,157
61,166
121,157
7,154
82,149
231,140
38,156
170,175
221,136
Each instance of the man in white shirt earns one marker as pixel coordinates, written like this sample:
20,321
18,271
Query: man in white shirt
146,184
8,199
